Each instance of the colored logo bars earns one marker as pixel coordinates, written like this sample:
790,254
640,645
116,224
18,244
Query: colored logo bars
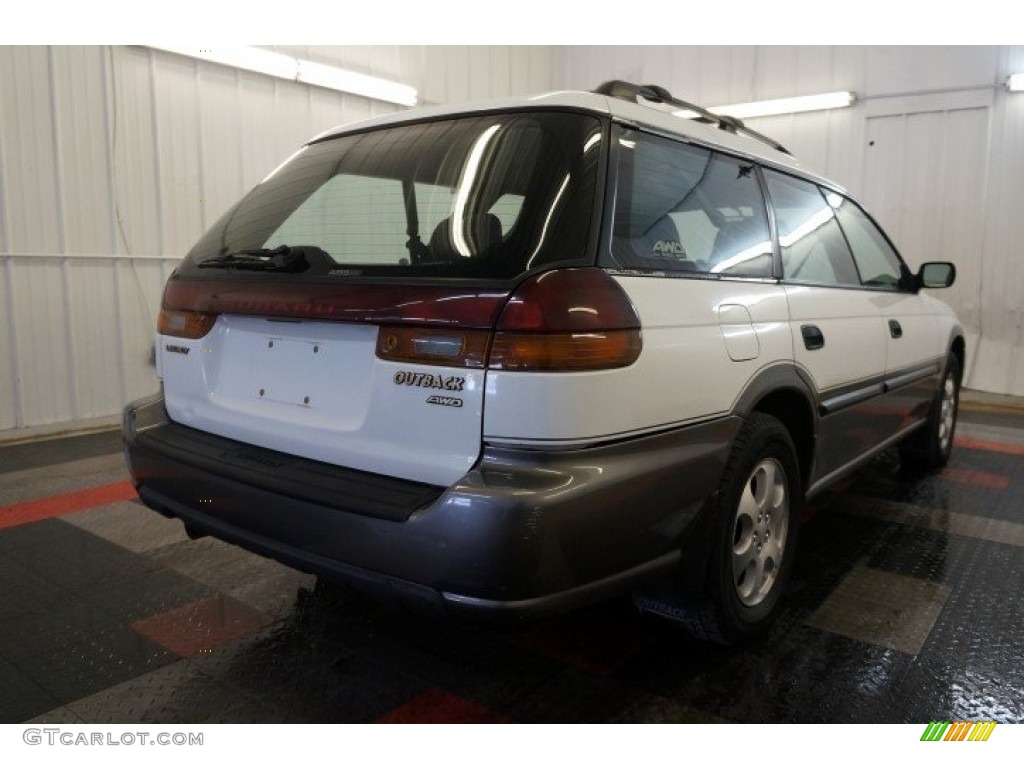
961,730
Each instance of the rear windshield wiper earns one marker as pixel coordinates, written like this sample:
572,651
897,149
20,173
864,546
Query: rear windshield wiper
283,258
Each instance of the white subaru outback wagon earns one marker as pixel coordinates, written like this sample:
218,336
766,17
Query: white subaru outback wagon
515,358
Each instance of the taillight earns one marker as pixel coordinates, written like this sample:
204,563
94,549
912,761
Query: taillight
187,325
567,320
433,346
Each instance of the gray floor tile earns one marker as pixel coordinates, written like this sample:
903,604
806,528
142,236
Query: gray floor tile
217,564
131,525
274,595
39,482
176,693
882,608
56,716
944,521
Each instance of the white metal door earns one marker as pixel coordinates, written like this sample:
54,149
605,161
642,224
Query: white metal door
924,183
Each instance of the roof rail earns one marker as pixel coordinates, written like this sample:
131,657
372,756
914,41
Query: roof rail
620,89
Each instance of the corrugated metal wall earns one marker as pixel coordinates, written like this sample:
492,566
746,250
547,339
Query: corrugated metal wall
114,159
946,134
112,162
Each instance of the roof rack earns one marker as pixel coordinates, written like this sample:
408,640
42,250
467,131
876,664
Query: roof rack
620,89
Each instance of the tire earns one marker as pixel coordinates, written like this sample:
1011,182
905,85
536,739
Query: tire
753,538
930,447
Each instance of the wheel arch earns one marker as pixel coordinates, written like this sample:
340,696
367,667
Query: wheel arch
958,347
783,392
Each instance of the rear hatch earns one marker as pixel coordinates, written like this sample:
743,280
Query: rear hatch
344,310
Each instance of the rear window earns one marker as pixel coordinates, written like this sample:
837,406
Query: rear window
489,196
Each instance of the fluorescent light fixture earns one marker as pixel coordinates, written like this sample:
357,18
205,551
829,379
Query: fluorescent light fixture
1016,82
788,106
353,82
300,70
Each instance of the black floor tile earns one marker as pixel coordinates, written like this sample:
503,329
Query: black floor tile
802,675
69,556
75,650
45,453
965,486
143,595
527,687
20,697
26,591
946,688
981,629
308,677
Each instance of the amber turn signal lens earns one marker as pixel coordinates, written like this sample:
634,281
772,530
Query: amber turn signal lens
185,325
565,351
433,346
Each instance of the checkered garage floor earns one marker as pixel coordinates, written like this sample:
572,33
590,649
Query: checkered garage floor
905,607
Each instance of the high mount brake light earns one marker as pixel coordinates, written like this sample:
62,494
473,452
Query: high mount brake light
377,304
567,320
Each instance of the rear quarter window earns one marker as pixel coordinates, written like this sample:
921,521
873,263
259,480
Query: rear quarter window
681,208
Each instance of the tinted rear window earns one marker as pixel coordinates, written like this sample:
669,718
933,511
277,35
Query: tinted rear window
489,196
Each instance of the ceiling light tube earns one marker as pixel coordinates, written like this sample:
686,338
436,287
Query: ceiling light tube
788,106
1016,82
286,67
353,82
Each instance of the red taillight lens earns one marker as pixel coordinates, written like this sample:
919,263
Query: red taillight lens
186,325
432,346
567,320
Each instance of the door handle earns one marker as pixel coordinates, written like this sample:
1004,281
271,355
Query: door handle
895,329
813,337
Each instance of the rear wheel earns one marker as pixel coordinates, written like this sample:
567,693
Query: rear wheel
930,446
754,516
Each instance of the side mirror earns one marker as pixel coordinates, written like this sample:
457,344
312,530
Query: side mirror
936,274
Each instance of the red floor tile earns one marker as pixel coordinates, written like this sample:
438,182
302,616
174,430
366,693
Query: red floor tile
201,626
65,503
439,706
976,477
989,445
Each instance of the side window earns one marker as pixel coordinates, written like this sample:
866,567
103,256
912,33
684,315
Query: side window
877,262
680,208
813,247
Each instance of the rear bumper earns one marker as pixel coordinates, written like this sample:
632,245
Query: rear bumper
524,533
